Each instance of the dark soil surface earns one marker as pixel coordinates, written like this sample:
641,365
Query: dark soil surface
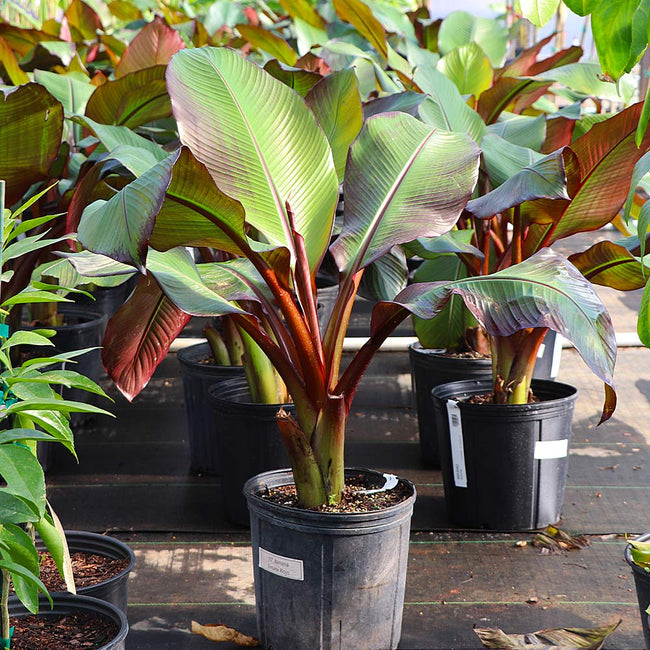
88,569
64,632
354,498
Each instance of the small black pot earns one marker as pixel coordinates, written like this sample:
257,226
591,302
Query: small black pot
65,603
642,584
202,427
250,442
504,466
113,590
327,580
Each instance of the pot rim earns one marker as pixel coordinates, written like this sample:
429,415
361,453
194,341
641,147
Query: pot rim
314,521
84,603
644,537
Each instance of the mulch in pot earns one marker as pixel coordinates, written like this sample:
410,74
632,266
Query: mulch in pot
88,569
62,632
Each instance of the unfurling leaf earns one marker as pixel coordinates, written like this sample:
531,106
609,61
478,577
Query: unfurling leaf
552,639
224,633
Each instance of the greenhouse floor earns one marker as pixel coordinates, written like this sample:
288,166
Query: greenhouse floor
133,481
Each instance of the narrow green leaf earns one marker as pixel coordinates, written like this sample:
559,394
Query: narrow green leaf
20,572
23,475
20,550
643,322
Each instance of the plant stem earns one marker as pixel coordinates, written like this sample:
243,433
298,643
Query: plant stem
328,444
4,604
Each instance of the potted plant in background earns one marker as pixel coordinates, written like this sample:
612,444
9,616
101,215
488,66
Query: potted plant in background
287,192
34,413
532,203
637,555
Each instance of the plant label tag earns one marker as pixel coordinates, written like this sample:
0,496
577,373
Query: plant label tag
286,567
457,448
549,449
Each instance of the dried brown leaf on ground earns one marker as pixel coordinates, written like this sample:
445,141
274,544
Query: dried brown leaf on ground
565,638
224,633
556,540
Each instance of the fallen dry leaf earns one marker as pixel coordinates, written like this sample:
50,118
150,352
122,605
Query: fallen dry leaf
555,540
224,633
565,638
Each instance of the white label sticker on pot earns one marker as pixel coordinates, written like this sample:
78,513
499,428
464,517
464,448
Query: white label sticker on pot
287,567
540,351
457,448
548,449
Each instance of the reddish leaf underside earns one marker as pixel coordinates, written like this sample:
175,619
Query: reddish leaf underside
154,45
139,335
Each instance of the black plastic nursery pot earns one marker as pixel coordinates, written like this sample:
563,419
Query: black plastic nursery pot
250,442
327,580
642,584
431,368
199,374
66,604
504,466
115,589
107,300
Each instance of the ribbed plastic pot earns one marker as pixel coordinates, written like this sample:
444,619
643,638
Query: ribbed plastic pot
65,604
202,426
504,466
642,584
325,580
114,590
250,442
430,368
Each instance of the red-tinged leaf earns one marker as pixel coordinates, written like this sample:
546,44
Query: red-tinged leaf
336,103
572,54
266,41
360,16
507,91
599,166
302,81
31,125
153,45
196,213
521,64
83,19
611,265
136,99
559,133
304,11
139,335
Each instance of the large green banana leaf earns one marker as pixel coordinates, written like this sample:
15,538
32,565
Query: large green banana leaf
543,291
404,180
260,143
